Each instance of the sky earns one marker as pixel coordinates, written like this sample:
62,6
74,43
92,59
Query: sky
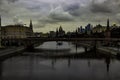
47,15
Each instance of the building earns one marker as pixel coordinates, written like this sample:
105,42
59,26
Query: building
81,30
60,32
16,31
52,34
38,34
0,32
98,29
107,31
88,29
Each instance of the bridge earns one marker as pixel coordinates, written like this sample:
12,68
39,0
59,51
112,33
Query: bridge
31,42
93,43
70,39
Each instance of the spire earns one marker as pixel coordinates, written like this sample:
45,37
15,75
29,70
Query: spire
108,25
56,29
57,32
60,28
0,20
31,25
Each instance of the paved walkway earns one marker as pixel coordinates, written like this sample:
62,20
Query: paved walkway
108,50
10,51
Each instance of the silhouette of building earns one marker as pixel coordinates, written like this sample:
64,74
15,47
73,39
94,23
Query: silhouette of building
31,26
81,30
52,34
98,29
0,32
38,34
107,33
17,31
115,32
88,29
61,32
57,32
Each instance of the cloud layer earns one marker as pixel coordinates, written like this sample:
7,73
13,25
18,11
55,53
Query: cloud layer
46,14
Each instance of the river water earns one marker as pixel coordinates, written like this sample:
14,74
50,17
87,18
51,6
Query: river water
34,67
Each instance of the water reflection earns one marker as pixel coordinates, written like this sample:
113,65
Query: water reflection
53,63
43,68
69,62
107,61
89,63
1,70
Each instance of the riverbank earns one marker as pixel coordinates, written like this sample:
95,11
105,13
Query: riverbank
7,52
108,50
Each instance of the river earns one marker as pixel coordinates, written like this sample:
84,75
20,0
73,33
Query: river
34,67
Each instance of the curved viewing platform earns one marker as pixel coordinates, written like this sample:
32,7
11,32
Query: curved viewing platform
54,46
58,48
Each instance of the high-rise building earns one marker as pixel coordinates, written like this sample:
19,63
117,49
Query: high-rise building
88,29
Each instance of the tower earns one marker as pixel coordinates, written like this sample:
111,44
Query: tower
108,33
31,29
108,25
60,29
31,25
57,32
0,32
0,21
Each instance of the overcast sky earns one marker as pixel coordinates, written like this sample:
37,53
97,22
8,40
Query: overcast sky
49,14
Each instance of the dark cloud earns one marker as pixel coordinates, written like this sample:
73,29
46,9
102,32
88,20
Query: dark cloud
58,14
4,6
12,1
100,7
73,9
61,17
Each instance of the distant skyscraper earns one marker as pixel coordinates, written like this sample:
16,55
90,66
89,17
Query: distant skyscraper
88,29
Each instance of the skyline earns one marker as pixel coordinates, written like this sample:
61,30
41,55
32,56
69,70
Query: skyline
50,14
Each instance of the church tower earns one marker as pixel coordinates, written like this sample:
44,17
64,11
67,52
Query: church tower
108,33
0,20
31,29
108,25
31,25
0,31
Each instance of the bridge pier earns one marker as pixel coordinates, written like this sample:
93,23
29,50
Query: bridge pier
85,49
76,47
95,46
